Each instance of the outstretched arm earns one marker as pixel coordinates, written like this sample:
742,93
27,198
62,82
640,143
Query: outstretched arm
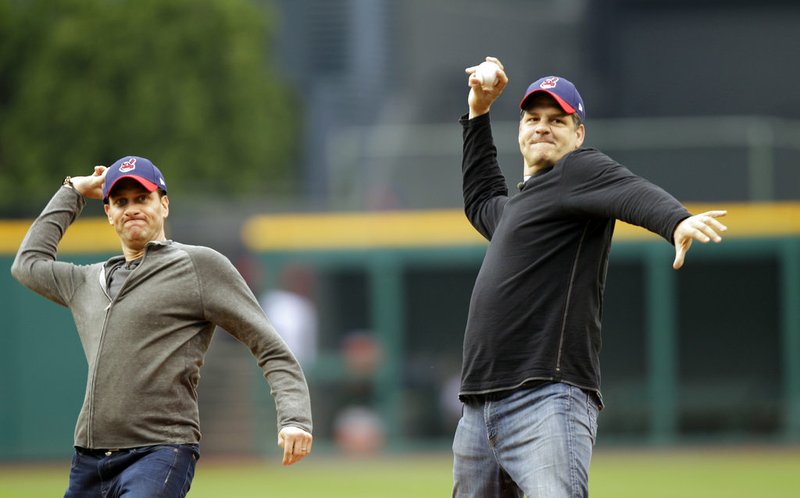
702,227
229,303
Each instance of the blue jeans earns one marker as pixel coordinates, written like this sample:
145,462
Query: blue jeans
537,442
161,471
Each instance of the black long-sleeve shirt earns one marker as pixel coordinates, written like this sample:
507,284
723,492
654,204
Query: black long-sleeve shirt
536,306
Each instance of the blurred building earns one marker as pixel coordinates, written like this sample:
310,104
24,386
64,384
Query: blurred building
383,86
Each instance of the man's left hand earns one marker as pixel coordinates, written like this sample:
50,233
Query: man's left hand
702,227
296,444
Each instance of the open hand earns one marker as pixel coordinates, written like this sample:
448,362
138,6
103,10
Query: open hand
702,227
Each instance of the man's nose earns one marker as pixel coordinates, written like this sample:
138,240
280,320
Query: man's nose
542,127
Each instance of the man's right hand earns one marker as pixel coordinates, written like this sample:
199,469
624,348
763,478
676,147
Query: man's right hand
91,186
481,99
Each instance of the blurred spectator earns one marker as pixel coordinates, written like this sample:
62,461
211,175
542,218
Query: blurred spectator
362,354
449,403
359,430
292,311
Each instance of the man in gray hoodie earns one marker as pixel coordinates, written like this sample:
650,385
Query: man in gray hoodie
145,321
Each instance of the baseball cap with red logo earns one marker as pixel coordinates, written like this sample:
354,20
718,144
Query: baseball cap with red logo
140,169
560,89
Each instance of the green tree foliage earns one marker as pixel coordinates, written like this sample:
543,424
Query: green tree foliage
186,83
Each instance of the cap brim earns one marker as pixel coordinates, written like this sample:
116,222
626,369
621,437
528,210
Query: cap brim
561,102
147,184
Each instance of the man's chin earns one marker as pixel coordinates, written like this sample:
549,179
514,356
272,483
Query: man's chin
135,239
540,161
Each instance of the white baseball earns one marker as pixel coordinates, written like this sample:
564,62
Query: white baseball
487,73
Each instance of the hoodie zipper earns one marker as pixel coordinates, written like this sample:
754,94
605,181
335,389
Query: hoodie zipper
104,286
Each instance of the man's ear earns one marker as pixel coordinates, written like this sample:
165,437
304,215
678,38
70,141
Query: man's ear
165,205
105,207
581,132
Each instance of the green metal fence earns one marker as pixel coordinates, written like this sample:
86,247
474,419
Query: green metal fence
711,351
761,275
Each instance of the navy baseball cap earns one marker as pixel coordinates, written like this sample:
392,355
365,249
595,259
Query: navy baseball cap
140,169
560,89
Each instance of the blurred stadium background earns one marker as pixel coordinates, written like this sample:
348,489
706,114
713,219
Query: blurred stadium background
315,143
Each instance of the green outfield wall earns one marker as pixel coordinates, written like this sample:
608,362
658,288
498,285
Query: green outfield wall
709,353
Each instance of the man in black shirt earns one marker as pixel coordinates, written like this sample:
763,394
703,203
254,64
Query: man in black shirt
531,377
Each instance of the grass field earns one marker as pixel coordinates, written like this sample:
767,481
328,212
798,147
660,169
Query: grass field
700,473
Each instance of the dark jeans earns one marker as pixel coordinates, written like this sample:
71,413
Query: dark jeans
161,471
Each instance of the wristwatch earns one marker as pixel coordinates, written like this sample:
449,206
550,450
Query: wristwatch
68,183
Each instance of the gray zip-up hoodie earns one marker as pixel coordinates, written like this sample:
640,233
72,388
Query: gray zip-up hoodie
145,347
